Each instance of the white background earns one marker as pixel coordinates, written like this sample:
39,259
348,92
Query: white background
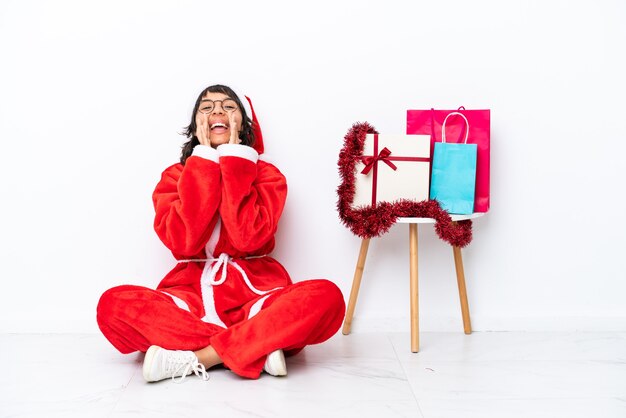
93,95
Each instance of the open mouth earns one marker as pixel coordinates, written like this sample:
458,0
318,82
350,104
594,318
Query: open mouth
219,127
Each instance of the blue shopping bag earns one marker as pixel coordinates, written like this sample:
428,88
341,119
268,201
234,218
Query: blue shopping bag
453,181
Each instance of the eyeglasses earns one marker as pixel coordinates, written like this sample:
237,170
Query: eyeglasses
207,106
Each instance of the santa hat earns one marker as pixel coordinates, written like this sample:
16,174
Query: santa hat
258,135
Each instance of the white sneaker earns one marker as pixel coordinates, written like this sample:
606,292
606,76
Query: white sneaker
160,364
275,363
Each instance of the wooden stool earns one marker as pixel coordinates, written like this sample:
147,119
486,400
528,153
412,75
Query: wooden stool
460,276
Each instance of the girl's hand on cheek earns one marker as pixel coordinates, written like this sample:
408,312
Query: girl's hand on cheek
203,131
234,129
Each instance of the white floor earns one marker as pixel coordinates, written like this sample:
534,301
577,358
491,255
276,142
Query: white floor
498,374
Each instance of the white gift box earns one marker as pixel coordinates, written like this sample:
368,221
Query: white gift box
378,181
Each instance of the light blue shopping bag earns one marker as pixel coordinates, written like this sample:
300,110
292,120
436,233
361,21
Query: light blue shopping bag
453,181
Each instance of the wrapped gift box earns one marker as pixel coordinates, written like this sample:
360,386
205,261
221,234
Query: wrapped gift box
393,167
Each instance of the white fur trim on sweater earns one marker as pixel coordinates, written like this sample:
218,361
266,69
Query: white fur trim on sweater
206,152
215,237
237,150
178,301
208,301
256,307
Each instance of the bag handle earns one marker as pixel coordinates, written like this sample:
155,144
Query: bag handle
443,127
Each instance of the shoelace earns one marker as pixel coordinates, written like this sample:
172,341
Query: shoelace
178,363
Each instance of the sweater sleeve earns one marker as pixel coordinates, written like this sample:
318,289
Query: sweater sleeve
186,200
253,197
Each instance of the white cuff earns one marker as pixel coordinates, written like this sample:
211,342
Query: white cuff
206,152
238,150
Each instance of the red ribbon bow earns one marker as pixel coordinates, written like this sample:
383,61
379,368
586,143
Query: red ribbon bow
382,156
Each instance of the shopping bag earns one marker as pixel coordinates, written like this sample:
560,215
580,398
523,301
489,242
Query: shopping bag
453,180
430,122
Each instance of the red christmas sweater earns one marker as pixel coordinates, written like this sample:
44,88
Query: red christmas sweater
218,215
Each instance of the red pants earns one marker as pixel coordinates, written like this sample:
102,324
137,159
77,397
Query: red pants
133,318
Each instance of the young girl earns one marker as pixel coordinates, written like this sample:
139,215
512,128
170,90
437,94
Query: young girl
226,300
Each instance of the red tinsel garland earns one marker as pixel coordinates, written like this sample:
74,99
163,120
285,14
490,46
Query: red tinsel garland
373,221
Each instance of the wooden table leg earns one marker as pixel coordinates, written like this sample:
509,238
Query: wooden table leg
415,337
460,277
356,283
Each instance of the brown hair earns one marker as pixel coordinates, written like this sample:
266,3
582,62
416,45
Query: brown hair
246,135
